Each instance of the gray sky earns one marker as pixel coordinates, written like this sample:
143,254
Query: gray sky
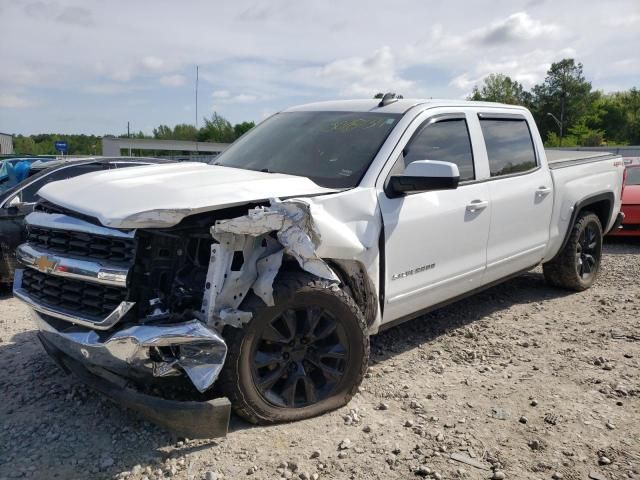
89,67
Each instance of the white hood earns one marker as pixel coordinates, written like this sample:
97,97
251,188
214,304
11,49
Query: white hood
158,196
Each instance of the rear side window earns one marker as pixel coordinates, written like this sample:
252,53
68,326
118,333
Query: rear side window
509,146
445,141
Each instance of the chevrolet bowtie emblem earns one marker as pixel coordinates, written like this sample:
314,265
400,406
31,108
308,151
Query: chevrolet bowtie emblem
44,264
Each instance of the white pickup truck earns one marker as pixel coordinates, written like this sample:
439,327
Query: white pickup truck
261,277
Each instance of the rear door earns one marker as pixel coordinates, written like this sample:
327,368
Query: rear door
435,242
521,193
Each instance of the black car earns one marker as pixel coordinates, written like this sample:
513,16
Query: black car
18,201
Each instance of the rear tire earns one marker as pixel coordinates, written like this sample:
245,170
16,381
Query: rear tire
577,265
303,357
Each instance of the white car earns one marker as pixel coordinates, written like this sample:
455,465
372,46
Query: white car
266,273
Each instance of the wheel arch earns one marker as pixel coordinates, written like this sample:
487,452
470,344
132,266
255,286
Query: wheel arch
601,204
353,276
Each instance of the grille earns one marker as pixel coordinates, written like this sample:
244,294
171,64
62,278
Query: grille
80,244
73,296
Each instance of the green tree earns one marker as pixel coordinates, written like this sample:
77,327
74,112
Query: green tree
619,116
240,129
501,88
184,131
216,129
24,145
586,136
163,132
565,94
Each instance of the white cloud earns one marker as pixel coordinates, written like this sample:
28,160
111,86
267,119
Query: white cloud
107,89
527,69
624,20
9,100
221,94
359,76
73,15
243,98
267,57
225,97
175,80
517,27
152,63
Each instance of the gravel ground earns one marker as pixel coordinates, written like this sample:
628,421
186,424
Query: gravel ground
522,381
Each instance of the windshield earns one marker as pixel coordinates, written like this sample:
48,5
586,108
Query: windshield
633,176
334,149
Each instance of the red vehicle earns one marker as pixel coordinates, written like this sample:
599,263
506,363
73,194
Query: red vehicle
630,203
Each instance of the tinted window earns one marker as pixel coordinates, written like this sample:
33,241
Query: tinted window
446,141
509,146
334,149
28,194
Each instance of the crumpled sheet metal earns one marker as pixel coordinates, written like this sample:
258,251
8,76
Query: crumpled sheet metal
297,236
294,227
202,351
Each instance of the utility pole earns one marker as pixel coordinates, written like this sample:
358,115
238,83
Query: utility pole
197,68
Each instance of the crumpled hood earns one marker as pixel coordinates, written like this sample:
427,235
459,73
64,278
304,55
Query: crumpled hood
158,196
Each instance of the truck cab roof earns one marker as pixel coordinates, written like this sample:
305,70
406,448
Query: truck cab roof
401,105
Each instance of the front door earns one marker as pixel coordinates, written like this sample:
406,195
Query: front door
435,242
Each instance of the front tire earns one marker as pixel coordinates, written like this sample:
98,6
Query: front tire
577,265
300,358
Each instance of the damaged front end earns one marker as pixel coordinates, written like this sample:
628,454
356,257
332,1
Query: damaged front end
151,305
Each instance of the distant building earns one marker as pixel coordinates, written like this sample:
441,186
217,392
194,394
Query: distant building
183,149
6,144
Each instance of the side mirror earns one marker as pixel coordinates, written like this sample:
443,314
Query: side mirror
424,176
15,202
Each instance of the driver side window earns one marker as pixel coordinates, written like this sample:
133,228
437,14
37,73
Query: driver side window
445,141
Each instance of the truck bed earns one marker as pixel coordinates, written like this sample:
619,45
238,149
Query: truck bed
567,158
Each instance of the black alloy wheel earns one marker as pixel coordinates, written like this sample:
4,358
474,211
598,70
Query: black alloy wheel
577,264
588,250
300,357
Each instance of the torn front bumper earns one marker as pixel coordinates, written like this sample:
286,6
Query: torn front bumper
142,351
207,419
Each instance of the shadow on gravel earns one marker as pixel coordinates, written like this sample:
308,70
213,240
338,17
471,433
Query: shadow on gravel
53,426
5,291
621,245
58,428
528,288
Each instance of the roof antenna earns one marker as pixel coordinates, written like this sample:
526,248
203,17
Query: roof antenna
387,98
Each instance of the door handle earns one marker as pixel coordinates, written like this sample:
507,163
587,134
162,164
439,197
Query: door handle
477,205
543,191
